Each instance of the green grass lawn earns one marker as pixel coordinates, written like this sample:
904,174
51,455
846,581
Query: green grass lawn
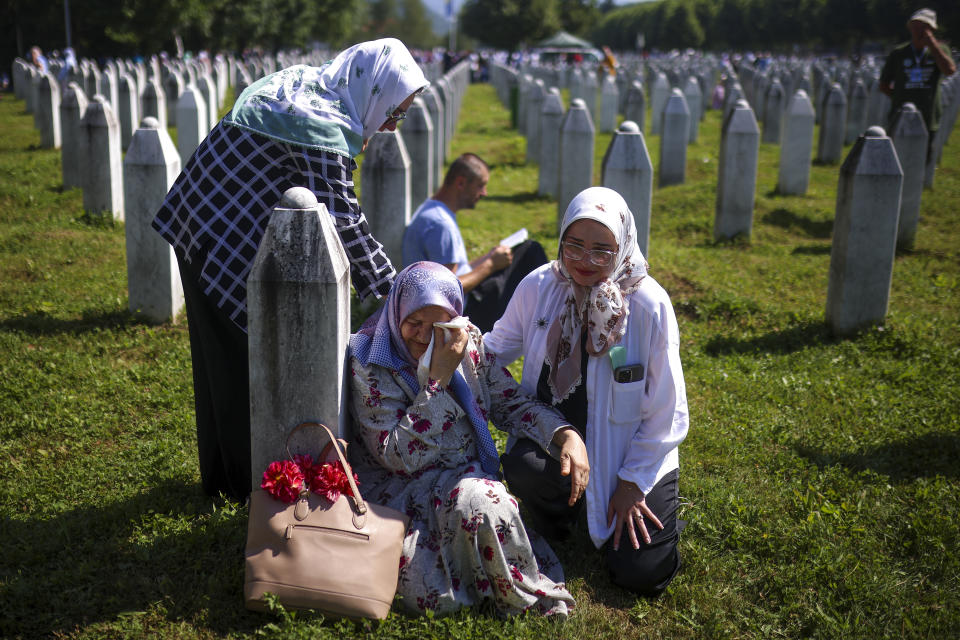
820,477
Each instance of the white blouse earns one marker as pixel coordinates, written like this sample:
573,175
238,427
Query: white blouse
634,428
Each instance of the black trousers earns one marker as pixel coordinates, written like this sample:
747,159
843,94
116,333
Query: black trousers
534,477
487,302
221,392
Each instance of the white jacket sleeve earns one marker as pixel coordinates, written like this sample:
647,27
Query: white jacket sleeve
665,419
506,338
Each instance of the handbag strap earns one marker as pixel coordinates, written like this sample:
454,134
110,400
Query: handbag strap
358,503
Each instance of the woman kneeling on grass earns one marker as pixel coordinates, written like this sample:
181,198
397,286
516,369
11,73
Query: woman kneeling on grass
600,342
423,447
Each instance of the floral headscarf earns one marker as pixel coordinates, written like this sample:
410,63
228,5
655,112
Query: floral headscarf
599,308
335,106
379,340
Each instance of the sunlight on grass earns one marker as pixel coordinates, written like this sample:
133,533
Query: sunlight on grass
820,477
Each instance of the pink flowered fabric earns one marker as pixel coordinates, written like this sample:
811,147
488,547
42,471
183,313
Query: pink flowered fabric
466,544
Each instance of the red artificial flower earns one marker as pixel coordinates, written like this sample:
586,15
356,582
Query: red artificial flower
283,480
331,480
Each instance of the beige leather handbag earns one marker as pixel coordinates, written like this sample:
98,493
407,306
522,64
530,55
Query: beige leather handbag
340,558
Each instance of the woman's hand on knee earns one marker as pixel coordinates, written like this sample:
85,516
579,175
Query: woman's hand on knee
629,506
573,461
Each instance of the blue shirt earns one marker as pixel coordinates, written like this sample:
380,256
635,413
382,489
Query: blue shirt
433,235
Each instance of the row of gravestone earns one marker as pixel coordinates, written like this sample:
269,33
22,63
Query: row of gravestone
694,75
131,187
860,263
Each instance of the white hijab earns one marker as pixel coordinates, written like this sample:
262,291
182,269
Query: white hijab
599,308
335,106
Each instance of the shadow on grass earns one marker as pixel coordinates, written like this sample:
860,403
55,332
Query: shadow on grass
99,564
812,250
787,341
922,456
518,198
787,219
40,323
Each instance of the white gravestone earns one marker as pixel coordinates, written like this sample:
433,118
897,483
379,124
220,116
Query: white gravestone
551,117
535,97
153,277
153,103
773,113
856,112
385,181
191,122
418,138
628,171
736,186
575,170
832,124
128,108
675,134
909,135
635,109
102,169
435,108
660,92
694,98
797,146
47,110
72,158
864,234
298,302
609,103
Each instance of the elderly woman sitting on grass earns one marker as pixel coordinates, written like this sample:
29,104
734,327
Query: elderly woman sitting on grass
422,446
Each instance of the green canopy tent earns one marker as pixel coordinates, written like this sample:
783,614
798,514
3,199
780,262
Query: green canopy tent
563,40
561,44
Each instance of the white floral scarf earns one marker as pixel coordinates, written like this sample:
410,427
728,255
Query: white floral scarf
333,107
599,308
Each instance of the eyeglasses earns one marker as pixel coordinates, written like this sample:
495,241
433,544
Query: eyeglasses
599,257
396,116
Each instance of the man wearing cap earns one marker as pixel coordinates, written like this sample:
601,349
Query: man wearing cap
913,70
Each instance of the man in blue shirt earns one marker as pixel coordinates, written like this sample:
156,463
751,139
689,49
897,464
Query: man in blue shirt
433,234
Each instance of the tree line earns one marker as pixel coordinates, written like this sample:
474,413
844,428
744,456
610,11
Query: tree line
106,28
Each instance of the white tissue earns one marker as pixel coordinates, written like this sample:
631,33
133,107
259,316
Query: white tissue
423,368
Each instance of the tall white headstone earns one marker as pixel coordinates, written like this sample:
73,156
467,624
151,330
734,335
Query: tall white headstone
153,277
298,301
153,102
864,234
636,106
191,122
73,149
609,103
832,125
773,113
128,108
575,170
737,183
660,92
909,135
628,171
694,98
418,138
797,146
551,117
675,134
385,181
103,169
47,110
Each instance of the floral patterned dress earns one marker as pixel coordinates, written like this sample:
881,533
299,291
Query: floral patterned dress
416,452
